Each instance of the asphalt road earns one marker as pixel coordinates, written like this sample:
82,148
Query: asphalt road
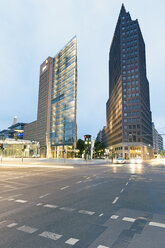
87,206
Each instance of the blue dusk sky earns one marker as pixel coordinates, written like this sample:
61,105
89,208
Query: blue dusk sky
32,30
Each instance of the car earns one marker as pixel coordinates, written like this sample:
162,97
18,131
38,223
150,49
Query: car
35,156
119,161
136,161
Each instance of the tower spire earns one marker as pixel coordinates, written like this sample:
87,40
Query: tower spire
123,10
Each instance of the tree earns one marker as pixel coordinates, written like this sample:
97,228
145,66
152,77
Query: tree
80,146
99,149
162,154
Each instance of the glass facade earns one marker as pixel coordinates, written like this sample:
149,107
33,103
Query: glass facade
63,127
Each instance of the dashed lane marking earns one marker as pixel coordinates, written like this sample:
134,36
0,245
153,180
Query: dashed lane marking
50,235
39,204
126,184
121,190
71,241
79,182
86,212
27,229
20,201
12,225
116,199
67,209
157,224
102,246
1,222
50,206
129,219
65,187
42,196
101,215
114,217
11,199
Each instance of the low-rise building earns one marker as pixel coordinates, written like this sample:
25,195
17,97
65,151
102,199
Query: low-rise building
19,148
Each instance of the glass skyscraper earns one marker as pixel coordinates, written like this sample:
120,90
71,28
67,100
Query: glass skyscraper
63,127
128,131
56,126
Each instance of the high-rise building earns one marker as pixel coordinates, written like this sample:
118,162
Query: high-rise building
56,126
160,143
128,130
157,140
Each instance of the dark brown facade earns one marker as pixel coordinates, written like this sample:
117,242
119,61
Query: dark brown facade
128,115
44,101
39,130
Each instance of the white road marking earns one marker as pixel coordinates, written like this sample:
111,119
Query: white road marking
102,246
12,225
116,199
27,229
79,182
1,197
50,206
157,224
21,201
126,184
101,215
86,212
88,178
71,241
39,204
121,190
114,217
42,196
65,187
129,219
15,195
1,222
50,235
11,199
67,209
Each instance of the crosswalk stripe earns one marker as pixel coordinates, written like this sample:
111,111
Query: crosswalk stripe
27,229
50,235
71,241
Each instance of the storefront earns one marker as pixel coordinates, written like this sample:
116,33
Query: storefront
19,148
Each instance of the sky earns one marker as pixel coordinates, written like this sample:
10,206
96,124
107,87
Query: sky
32,30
